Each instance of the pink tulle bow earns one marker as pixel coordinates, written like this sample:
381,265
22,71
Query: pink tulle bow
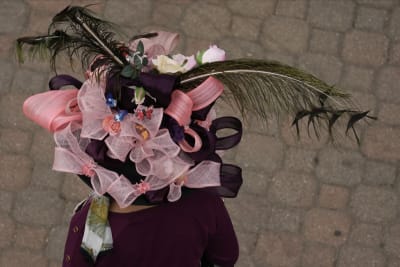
205,174
98,121
69,156
158,156
134,132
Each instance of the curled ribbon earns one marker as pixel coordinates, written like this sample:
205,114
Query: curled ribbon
183,104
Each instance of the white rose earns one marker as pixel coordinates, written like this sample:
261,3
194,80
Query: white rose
165,64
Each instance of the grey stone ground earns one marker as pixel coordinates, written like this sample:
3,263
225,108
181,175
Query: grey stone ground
304,203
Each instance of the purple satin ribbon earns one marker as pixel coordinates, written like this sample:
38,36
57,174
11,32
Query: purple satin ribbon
59,81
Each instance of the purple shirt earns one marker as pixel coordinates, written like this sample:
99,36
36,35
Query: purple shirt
174,234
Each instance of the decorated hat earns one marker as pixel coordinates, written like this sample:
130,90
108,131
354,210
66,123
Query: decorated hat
142,127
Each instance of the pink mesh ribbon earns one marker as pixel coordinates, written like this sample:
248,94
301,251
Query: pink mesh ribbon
53,110
182,104
162,44
205,174
70,157
98,118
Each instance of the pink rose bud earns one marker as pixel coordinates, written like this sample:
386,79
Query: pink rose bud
213,54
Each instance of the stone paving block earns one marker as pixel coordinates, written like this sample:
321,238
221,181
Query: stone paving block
15,141
380,3
298,159
388,87
38,207
394,56
282,57
365,48
246,216
237,48
56,243
374,204
285,34
6,200
22,257
45,177
394,28
167,14
380,142
371,19
13,14
42,150
315,255
16,171
389,113
245,28
69,211
11,115
270,126
392,241
333,197
327,226
256,8
379,173
394,262
365,101
29,81
255,182
335,15
6,47
7,230
6,75
132,13
288,220
326,42
339,167
247,242
272,152
245,260
290,8
327,68
31,237
292,189
306,139
366,235
74,189
278,249
357,78
40,18
214,21
193,45
351,256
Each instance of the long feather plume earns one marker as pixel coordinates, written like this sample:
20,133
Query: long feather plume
76,31
269,88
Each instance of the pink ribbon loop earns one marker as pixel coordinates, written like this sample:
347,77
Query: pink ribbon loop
53,110
182,104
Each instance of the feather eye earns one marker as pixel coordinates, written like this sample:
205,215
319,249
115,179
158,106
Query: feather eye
267,88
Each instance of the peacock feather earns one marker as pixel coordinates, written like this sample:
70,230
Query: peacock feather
266,88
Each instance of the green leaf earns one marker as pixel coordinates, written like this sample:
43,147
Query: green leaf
127,71
140,47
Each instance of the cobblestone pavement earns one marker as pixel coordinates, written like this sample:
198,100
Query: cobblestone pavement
304,203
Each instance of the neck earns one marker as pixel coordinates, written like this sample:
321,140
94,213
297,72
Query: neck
132,208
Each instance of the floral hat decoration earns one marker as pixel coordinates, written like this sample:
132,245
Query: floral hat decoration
142,129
